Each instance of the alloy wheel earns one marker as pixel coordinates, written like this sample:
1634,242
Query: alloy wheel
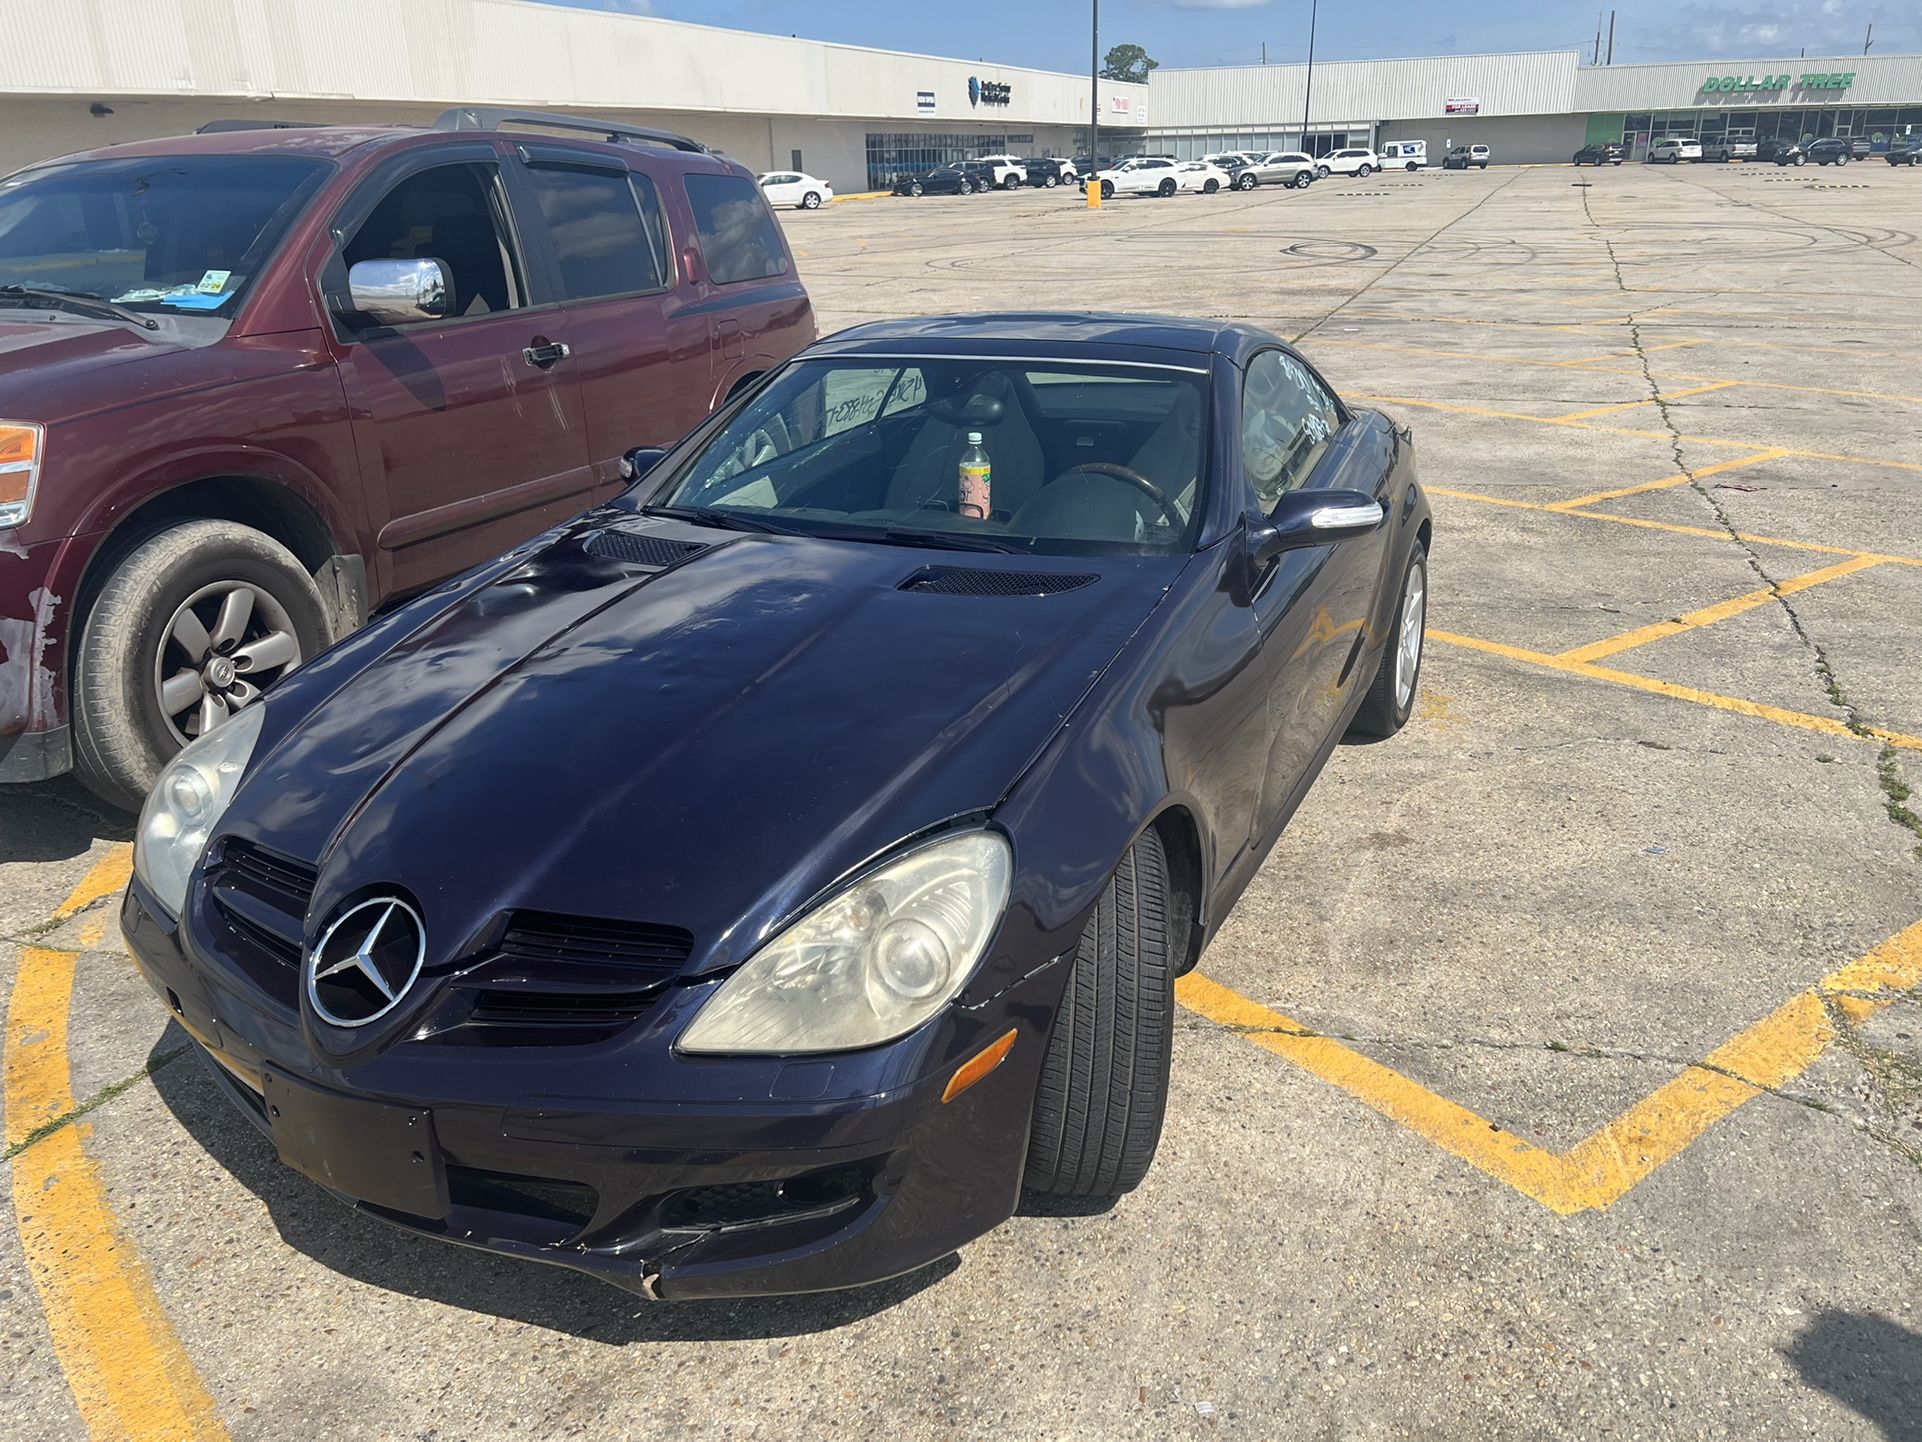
1414,608
223,646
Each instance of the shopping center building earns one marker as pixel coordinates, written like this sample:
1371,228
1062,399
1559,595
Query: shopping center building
84,73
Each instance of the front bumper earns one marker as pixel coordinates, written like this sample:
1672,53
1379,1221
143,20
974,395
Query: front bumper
812,1184
33,741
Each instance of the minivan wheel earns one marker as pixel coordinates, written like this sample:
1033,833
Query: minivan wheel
192,625
811,201
1103,1091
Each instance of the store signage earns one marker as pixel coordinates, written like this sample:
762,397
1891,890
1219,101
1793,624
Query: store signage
1467,105
924,100
988,92
1118,104
1753,84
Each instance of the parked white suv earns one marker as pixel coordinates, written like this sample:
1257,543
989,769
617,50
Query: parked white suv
1674,150
1358,163
1009,171
1150,175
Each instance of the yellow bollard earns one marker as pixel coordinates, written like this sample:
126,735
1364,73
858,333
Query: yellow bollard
1094,193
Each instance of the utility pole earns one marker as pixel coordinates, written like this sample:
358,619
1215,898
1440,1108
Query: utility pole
1264,51
1094,109
1611,37
1596,58
1868,39
1308,90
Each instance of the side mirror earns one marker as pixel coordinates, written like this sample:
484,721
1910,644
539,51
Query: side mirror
639,461
1311,518
400,292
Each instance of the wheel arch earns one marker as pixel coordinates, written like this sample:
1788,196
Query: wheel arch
1188,868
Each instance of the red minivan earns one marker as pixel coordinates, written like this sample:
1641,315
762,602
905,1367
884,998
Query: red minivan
258,382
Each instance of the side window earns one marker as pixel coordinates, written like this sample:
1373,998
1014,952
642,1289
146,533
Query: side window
453,214
1287,418
606,227
737,234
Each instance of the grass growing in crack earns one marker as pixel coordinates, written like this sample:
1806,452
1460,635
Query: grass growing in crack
97,1100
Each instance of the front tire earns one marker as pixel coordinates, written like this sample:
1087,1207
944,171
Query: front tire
1321,172
189,626
1103,1092
1246,182
915,189
1391,697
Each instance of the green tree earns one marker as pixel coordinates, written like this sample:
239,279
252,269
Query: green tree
1128,62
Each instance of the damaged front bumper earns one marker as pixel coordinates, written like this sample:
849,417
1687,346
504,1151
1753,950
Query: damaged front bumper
34,744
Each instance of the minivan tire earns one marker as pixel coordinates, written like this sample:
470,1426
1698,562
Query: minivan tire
1103,1092
811,201
122,737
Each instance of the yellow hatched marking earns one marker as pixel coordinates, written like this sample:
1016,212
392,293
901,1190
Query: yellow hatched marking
1604,1168
1721,611
1665,483
1610,410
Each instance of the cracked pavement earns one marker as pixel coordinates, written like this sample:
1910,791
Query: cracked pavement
1556,896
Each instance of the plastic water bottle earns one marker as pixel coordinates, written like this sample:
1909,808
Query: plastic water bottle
976,486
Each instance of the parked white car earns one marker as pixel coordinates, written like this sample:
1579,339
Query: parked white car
1203,177
1150,175
1292,168
796,188
1674,150
1403,154
1009,170
1358,163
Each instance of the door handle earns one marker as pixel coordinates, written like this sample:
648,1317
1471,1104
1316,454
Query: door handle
543,353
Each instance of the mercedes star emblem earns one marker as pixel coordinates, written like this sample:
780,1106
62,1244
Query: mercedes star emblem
366,961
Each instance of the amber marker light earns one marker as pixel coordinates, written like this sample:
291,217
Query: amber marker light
979,1065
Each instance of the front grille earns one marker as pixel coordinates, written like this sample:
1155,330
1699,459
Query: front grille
638,548
970,581
756,1204
542,1198
285,883
282,949
645,950
507,1006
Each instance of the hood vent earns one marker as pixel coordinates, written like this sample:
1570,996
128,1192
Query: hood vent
640,548
970,581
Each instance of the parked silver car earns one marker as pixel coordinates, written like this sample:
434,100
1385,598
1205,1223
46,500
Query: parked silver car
1278,167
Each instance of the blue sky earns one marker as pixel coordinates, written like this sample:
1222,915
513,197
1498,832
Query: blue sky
1053,34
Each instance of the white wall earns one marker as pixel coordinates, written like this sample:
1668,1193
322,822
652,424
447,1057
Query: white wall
1511,139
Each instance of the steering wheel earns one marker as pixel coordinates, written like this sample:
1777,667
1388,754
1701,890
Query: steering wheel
1134,478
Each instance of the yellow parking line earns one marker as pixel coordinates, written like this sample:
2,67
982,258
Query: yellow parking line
1632,354
1721,611
1610,410
1604,1168
1828,725
130,1376
1664,484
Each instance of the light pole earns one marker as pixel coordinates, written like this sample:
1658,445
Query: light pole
1308,89
1094,107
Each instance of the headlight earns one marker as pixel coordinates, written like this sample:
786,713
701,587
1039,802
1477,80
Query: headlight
20,446
187,800
870,964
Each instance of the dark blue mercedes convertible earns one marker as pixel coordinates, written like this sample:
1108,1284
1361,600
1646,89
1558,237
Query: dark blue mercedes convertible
753,884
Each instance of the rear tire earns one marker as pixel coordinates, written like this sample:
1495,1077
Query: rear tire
1391,697
1209,187
1103,1091
1410,167
122,734
1362,172
1165,189
811,201
1052,181
1303,180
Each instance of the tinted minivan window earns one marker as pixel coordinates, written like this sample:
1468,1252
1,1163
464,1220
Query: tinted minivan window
736,231
599,220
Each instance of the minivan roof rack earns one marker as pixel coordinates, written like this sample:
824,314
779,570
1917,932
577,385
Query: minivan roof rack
492,117
218,127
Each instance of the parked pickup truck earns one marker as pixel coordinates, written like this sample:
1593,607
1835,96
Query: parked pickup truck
1726,150
256,383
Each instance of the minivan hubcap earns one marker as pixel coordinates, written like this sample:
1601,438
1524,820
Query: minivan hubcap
224,644
1414,606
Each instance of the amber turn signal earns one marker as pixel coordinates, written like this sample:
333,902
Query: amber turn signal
19,470
979,1065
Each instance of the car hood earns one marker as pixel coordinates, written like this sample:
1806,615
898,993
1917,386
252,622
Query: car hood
45,365
704,746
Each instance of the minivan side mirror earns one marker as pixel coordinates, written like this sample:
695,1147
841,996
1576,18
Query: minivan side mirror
1311,518
401,292
639,461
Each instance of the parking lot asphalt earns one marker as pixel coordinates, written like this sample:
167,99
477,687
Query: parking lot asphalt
1560,1073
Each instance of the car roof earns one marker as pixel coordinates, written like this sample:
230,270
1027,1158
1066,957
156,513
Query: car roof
1105,335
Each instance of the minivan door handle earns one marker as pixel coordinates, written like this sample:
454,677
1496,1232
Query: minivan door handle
544,353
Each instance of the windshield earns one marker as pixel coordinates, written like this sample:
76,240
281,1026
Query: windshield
1071,457
168,234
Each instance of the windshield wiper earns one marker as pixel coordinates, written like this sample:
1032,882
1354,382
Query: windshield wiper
715,516
82,302
948,540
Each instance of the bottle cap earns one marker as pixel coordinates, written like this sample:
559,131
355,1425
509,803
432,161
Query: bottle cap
974,438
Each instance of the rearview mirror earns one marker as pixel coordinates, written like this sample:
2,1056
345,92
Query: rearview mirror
401,292
1311,518
639,461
